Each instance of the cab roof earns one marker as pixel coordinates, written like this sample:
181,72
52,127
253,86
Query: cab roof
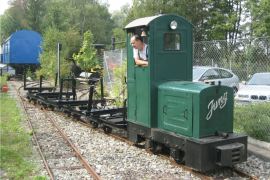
146,20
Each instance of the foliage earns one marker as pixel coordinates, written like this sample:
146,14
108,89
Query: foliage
224,20
30,74
258,13
10,23
33,14
119,91
119,16
3,80
15,149
87,56
253,120
48,59
74,41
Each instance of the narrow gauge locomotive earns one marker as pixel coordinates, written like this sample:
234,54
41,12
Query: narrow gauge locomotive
165,108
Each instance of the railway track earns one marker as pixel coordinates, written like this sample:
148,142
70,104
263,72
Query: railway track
57,151
234,173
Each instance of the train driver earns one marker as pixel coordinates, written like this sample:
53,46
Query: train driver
140,50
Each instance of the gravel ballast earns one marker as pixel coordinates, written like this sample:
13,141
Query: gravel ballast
114,159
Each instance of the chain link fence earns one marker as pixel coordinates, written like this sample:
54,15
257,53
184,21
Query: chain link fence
244,58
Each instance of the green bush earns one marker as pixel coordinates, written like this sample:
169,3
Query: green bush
253,120
3,80
30,74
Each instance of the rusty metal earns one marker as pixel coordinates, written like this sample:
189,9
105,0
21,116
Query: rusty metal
78,155
196,173
243,174
33,133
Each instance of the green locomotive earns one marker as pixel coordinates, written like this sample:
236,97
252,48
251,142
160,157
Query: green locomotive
166,109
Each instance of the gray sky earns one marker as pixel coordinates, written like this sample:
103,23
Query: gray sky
114,5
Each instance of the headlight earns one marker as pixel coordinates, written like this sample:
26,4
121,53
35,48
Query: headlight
173,25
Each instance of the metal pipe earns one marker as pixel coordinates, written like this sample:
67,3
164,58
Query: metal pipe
24,79
90,99
61,89
40,83
73,87
101,88
125,111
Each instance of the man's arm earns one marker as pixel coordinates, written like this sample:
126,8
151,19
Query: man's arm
140,62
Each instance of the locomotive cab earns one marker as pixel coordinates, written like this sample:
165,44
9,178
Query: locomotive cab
166,109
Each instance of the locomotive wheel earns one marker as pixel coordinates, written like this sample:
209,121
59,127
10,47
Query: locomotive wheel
94,124
181,157
107,129
153,146
51,108
157,148
34,101
68,114
76,117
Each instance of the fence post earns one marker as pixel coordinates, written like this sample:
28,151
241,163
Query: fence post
113,43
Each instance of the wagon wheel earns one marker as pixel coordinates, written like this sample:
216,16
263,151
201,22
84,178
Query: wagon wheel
51,108
107,129
94,124
34,101
67,113
76,117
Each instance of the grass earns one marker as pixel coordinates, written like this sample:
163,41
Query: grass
253,120
15,150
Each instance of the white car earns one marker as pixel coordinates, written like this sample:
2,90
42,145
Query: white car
225,76
256,90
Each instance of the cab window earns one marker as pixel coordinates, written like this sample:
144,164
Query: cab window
171,42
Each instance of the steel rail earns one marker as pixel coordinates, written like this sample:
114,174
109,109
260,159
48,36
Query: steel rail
78,155
34,135
196,173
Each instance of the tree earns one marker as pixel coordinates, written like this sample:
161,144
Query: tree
10,23
223,23
87,56
83,15
33,13
258,13
48,59
12,20
55,15
119,18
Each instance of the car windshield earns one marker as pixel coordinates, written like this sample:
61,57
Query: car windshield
260,79
197,72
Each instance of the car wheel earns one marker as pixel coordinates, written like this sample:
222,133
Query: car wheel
235,90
